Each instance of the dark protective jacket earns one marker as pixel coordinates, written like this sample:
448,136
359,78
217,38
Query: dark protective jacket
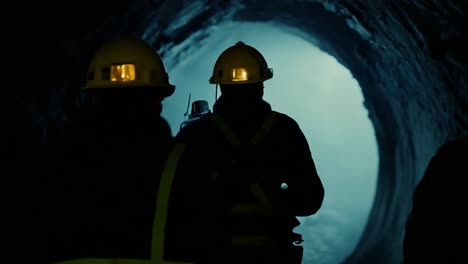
213,177
101,199
21,180
437,223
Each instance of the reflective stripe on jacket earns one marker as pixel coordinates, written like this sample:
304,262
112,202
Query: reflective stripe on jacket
262,207
160,219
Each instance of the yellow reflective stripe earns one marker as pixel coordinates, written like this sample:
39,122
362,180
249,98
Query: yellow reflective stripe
264,206
251,241
265,128
260,195
160,219
255,189
234,139
227,131
162,201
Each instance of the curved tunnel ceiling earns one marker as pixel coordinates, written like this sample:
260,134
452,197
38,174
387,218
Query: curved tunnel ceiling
408,57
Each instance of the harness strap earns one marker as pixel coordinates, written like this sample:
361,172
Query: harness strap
160,219
264,205
234,140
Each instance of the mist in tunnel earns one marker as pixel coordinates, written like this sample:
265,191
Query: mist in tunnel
327,103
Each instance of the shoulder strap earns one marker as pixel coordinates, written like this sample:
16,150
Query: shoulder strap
160,219
234,140
265,128
226,130
263,202
162,201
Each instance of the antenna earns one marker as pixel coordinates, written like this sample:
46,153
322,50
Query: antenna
188,104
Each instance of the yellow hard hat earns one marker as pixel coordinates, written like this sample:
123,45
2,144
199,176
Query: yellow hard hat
127,62
240,64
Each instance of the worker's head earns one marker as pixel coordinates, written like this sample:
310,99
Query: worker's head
240,71
127,75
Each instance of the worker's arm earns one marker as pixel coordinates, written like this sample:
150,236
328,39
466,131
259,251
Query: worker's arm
305,191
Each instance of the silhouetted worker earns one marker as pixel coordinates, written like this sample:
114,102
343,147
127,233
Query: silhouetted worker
436,228
245,174
104,206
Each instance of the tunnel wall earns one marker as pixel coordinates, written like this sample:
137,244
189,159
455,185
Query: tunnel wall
407,56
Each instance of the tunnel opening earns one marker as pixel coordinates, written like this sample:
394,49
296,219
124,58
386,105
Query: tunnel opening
337,30
326,101
383,53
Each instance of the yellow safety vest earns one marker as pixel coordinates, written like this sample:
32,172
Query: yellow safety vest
160,219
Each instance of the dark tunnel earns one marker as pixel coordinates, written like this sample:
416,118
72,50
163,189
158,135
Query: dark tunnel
408,56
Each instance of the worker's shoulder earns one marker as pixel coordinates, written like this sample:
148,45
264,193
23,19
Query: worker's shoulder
283,120
162,123
194,129
454,147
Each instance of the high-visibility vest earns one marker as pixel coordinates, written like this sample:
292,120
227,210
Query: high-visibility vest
160,219
263,205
